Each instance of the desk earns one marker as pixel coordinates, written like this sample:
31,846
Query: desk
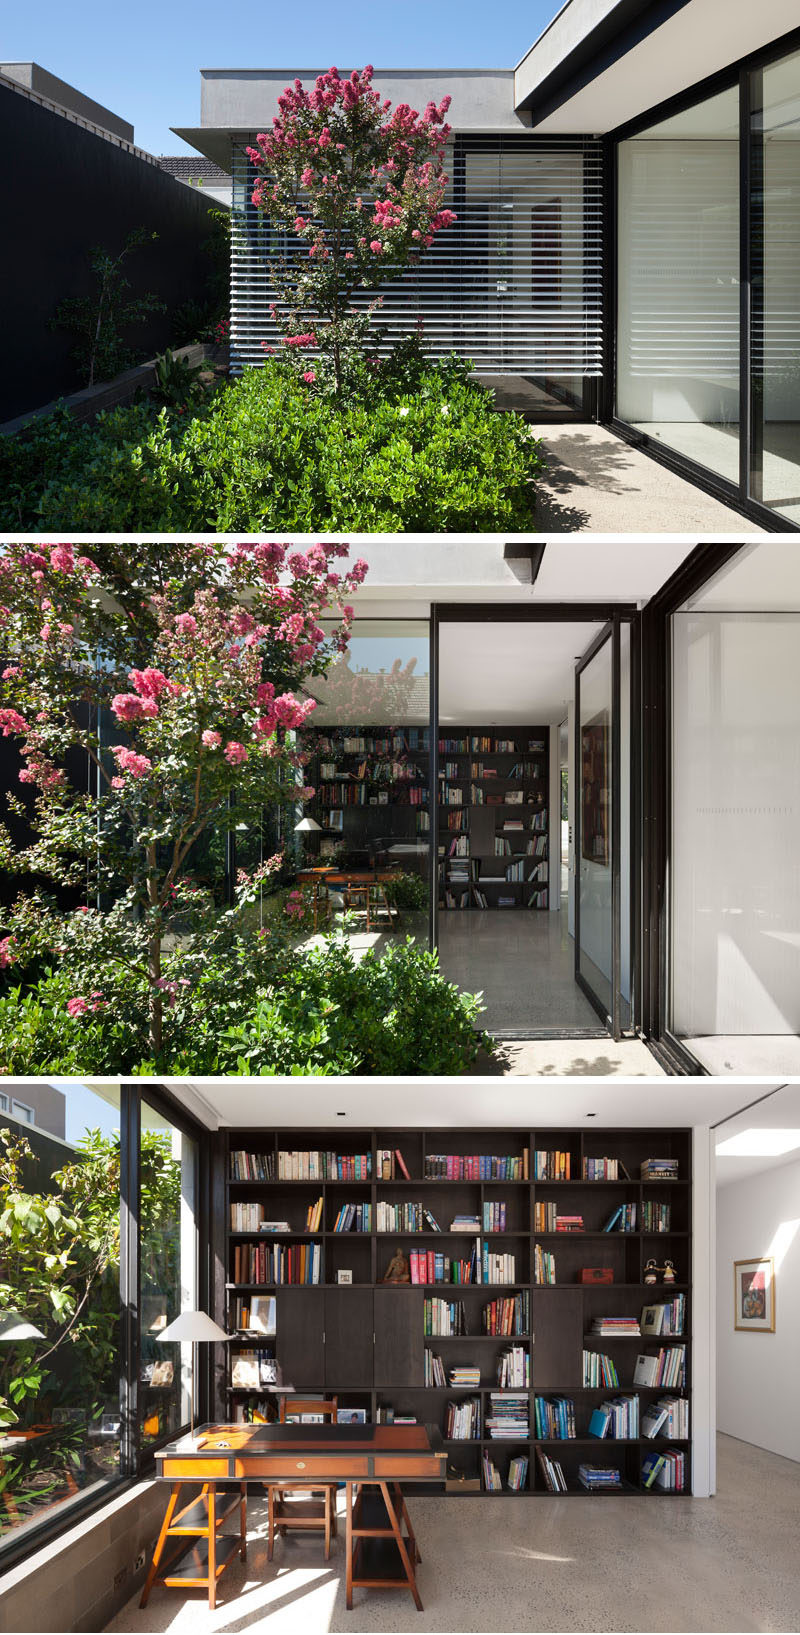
374,1457
355,882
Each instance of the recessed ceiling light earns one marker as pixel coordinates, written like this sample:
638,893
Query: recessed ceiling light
341,1115
591,1115
759,1144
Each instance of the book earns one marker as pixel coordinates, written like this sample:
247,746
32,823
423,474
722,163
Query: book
652,1419
599,1422
401,1164
651,1465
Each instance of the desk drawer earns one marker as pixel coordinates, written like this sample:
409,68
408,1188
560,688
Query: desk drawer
195,1470
396,1470
284,1465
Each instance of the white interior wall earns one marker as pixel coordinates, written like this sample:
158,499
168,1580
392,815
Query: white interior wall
735,883
757,1374
703,1369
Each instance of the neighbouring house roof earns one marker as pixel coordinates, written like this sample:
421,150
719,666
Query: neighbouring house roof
42,83
194,169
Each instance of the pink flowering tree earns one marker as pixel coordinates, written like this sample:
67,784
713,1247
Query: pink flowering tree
359,189
178,674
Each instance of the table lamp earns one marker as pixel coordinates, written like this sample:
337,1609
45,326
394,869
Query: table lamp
13,1326
198,1327
307,826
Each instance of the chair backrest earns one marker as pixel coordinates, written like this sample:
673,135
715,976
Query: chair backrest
292,1407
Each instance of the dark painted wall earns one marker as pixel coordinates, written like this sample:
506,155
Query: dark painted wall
64,190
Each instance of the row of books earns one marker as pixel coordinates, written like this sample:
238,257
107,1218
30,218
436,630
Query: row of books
277,1263
451,795
544,1265
622,1219
668,1417
429,1266
494,1217
498,1268
324,1166
666,1470
554,1418
618,1327
390,1165
604,1169
377,771
404,1217
517,1474
546,1218
395,742
476,1166
667,1368
514,1367
433,1372
252,1166
508,1418
617,1419
254,1313
509,1316
664,1316
246,1217
599,1370
313,1217
554,1478
353,1218
551,1166
655,1216
463,1420
443,1316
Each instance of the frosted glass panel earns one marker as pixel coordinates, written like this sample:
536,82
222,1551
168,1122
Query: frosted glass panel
735,886
595,955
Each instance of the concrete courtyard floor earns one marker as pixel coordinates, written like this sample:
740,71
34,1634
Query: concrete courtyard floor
596,483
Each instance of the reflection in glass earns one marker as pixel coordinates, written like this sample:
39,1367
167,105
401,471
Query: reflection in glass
168,1252
775,227
595,950
678,302
59,1301
369,767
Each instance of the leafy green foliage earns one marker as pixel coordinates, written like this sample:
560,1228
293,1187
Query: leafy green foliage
101,320
177,382
412,446
254,1005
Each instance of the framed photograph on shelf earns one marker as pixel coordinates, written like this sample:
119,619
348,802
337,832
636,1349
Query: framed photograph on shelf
754,1296
351,1416
262,1314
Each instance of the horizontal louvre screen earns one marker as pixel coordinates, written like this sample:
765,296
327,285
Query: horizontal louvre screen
515,285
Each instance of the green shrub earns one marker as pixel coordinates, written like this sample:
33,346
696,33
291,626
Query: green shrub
413,447
323,1012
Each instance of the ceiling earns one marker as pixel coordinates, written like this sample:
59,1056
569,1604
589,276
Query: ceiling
500,674
460,1103
778,1109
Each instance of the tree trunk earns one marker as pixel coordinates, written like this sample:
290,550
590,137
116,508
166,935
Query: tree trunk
154,958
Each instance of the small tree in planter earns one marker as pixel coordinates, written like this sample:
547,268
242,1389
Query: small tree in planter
361,188
182,688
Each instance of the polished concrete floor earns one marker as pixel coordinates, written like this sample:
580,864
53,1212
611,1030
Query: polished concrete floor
596,483
523,962
516,1564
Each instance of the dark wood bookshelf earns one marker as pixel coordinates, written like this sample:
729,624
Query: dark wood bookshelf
462,777
367,795
364,1341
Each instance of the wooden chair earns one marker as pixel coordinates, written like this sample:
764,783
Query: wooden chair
317,1512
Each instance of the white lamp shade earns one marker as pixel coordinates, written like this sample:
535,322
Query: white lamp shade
307,825
13,1326
193,1325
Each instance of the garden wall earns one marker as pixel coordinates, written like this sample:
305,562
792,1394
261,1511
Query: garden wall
65,190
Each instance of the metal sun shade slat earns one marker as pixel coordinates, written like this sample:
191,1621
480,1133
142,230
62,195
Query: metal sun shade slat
515,285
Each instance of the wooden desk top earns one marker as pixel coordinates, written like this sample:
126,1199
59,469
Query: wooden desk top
338,1452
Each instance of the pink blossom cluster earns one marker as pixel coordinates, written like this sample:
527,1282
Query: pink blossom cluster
7,956
130,761
78,1006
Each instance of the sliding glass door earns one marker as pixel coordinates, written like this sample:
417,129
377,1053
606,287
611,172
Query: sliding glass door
603,963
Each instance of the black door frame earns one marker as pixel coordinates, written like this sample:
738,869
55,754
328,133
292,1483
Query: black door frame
656,826
608,615
609,633
743,496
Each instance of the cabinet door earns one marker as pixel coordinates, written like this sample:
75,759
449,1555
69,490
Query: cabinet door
299,1342
348,1338
398,1336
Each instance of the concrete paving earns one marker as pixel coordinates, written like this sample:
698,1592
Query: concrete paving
596,483
569,1058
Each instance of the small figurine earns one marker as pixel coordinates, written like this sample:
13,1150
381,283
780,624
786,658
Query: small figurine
668,1272
651,1272
398,1269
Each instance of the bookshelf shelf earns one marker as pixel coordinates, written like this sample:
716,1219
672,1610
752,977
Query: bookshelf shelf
494,841
364,1340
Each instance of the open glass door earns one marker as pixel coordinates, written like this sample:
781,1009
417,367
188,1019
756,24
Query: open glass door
598,829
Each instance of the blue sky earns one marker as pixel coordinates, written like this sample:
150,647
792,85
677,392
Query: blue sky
143,60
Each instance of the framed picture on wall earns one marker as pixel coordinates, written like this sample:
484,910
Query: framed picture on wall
596,790
754,1296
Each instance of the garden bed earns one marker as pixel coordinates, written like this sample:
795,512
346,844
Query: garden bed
419,450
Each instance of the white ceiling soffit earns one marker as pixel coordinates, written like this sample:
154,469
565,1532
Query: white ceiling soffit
502,674
700,39
423,570
763,578
779,1111
463,1103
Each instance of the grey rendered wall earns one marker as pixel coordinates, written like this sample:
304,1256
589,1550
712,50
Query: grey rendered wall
63,191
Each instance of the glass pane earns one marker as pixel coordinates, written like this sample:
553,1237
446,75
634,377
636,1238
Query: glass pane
168,1250
595,952
678,305
59,1324
369,766
735,889
776,292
